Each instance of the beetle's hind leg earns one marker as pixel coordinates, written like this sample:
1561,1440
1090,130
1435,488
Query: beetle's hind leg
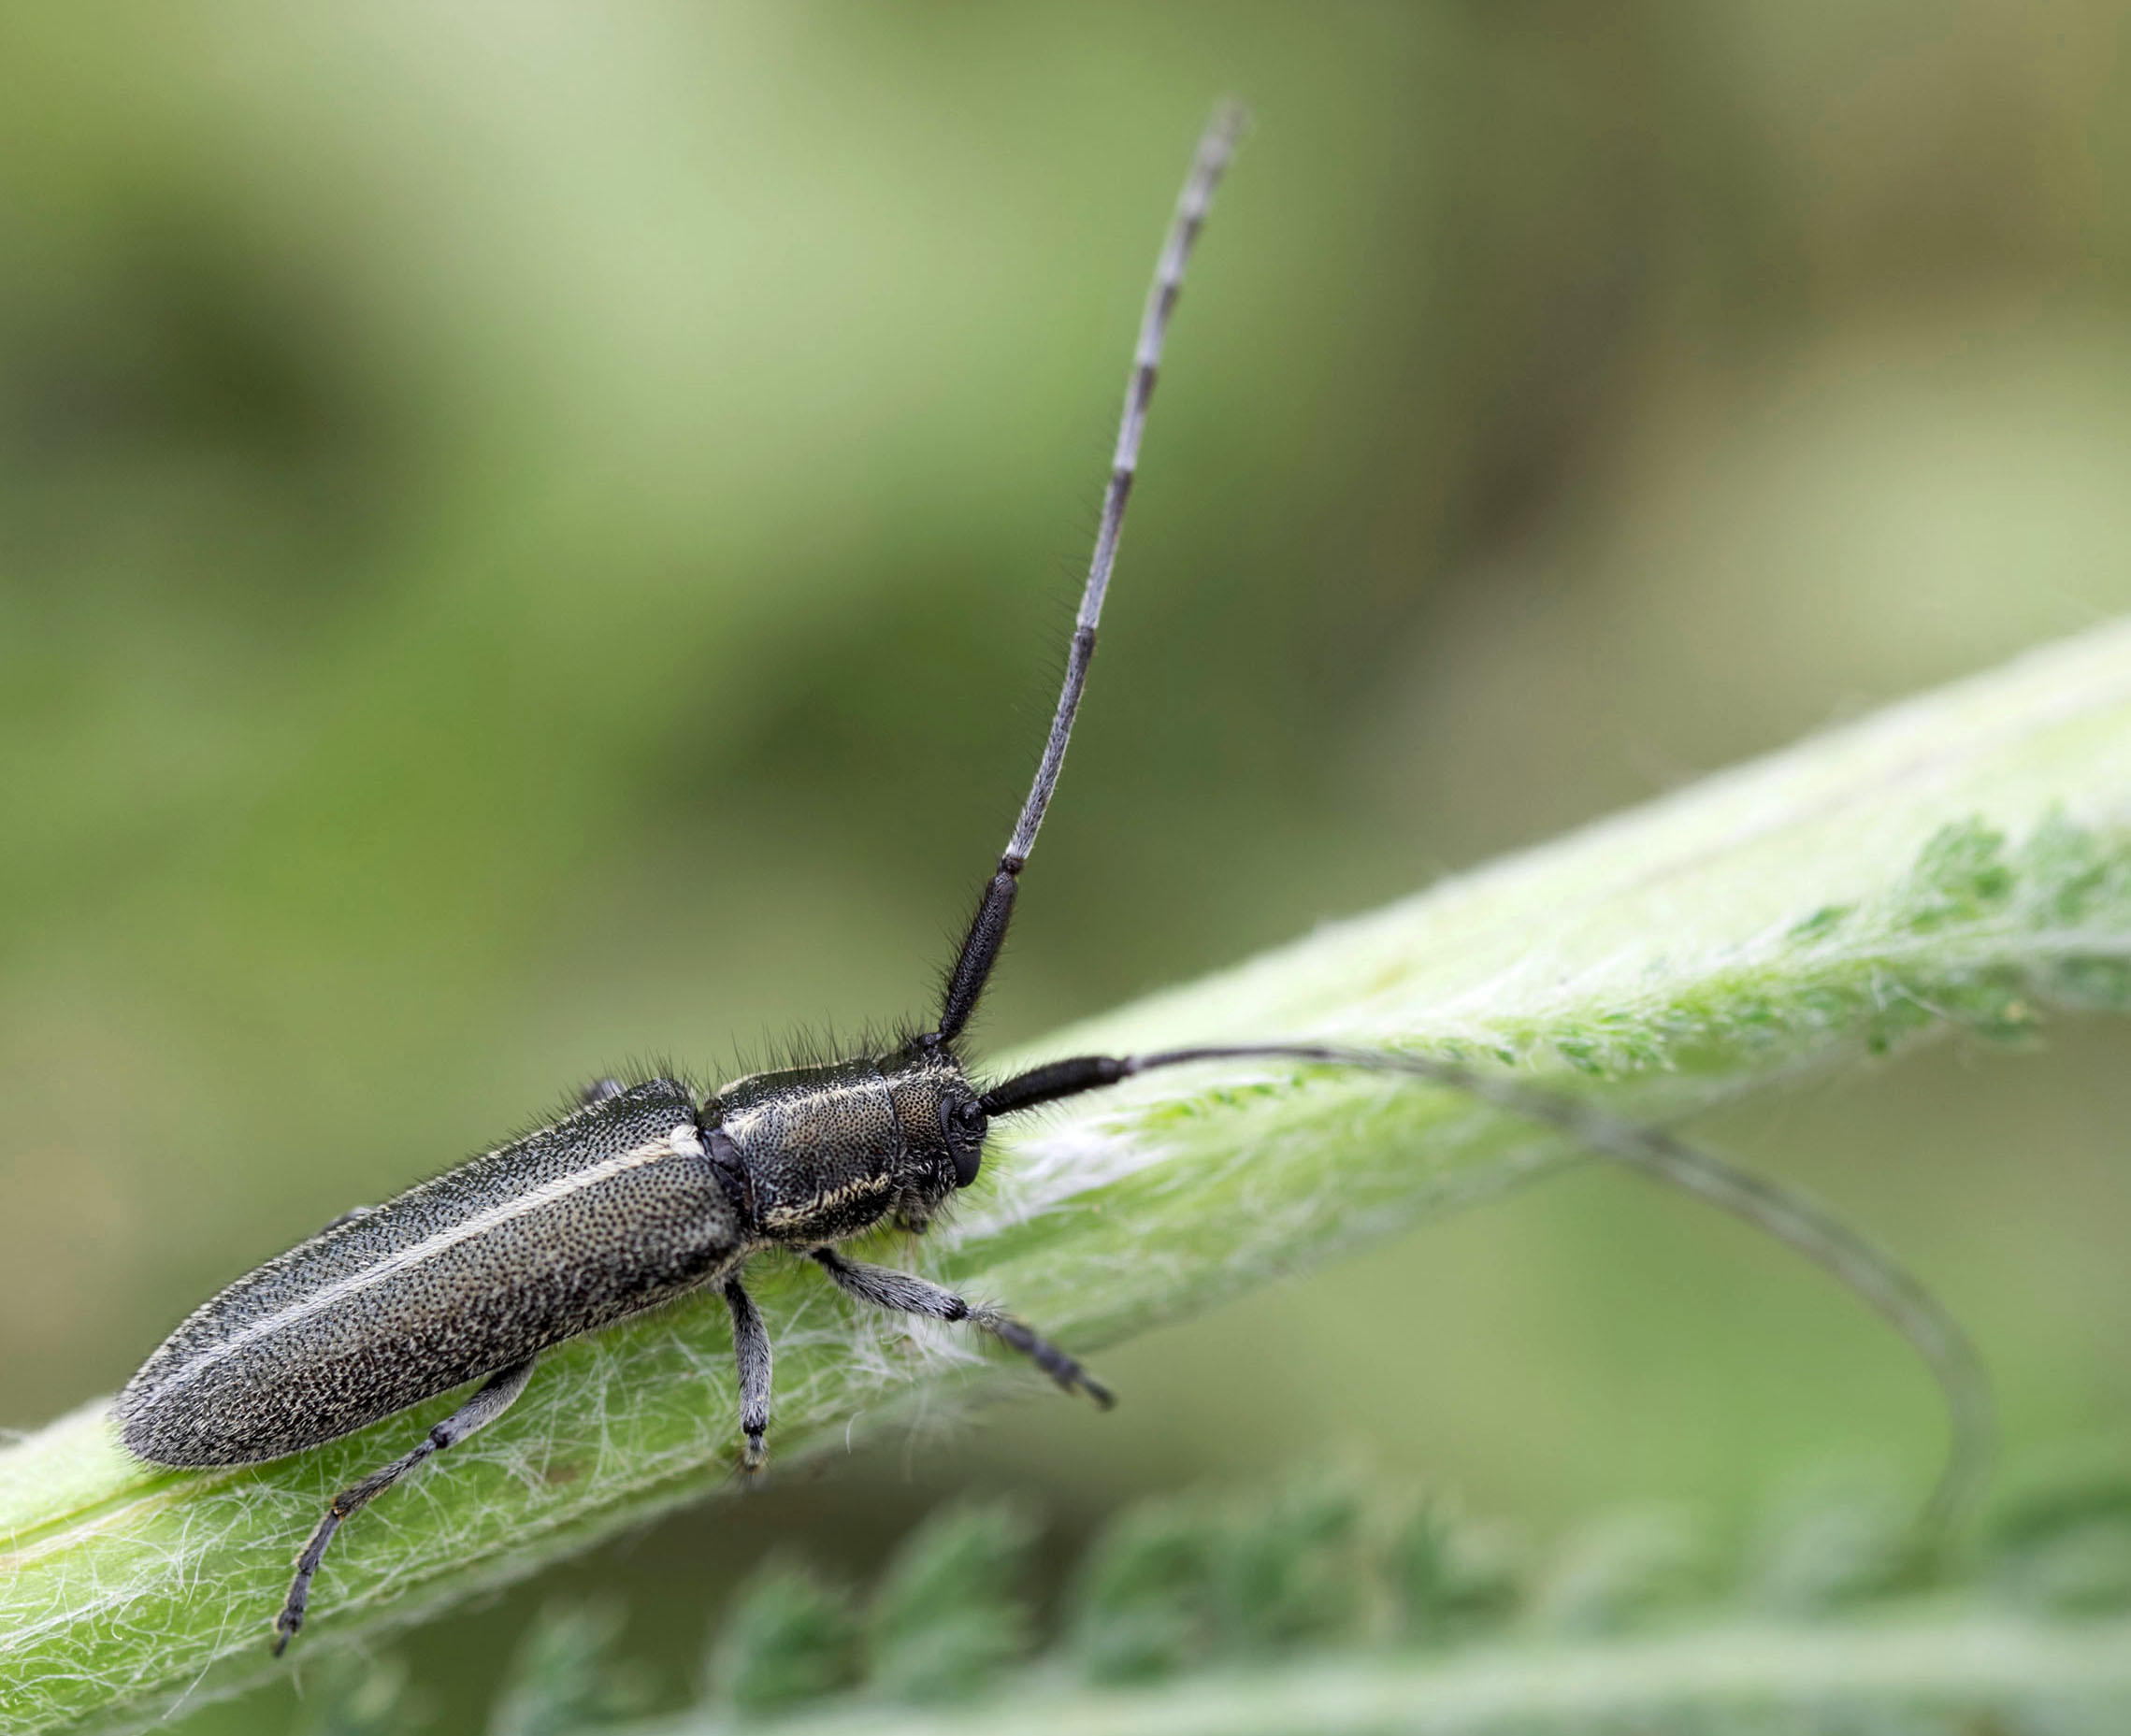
905,1295
484,1407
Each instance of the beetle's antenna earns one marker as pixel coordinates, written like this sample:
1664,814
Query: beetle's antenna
987,929
1869,1271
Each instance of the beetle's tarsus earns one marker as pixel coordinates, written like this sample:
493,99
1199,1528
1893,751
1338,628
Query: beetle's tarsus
289,1623
1046,1356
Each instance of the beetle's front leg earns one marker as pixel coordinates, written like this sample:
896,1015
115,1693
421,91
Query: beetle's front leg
904,1295
751,1350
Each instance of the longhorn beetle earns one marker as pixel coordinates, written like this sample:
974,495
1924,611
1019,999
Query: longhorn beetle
647,1192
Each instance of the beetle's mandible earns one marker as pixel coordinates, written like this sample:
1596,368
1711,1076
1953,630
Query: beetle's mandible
648,1192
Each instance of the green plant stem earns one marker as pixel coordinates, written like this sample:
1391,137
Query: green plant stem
1975,1672
1963,859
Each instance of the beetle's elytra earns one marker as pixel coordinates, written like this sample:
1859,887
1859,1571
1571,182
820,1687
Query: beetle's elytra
646,1193
613,1210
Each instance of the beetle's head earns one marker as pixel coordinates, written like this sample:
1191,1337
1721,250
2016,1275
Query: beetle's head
944,1127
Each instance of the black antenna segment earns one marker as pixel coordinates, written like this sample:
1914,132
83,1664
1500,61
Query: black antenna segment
987,929
1869,1272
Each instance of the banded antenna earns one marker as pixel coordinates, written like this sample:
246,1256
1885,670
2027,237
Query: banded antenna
987,929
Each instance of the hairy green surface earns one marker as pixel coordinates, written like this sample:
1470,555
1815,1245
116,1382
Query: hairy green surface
1961,860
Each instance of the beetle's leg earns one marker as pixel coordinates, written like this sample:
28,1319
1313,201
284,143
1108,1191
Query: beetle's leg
484,1407
751,1350
905,1295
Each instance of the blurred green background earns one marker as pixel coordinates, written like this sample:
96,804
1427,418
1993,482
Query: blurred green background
533,537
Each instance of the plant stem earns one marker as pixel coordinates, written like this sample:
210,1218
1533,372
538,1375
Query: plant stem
1959,860
1973,1671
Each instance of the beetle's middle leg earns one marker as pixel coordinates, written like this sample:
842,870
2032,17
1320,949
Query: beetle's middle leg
751,1350
904,1295
484,1407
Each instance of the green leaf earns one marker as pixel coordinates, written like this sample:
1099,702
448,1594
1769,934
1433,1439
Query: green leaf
948,1614
792,1636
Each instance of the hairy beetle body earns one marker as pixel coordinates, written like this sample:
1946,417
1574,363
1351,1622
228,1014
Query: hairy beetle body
638,1197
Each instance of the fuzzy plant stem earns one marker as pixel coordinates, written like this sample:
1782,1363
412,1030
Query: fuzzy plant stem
1960,861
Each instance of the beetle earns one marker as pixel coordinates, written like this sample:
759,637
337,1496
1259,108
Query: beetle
648,1192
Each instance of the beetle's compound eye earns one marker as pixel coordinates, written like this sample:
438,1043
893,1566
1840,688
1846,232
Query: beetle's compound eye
964,1124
